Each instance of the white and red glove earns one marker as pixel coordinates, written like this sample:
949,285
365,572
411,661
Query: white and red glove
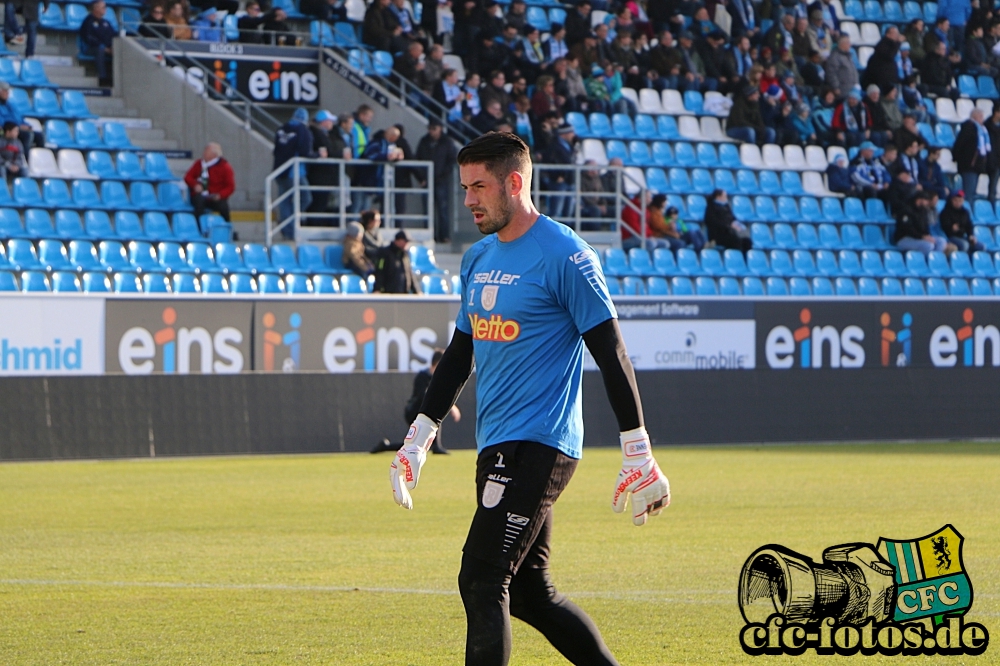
641,478
404,472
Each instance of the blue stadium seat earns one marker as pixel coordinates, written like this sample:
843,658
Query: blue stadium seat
687,262
956,287
157,167
83,256
26,193
621,126
760,235
333,256
129,167
681,286
729,156
325,284
115,136
912,11
967,86
172,257
75,15
911,287
113,256
55,193
640,263
142,256
777,286
229,259
614,287
983,265
34,281
256,259
832,210
283,260
186,227
845,287
213,283
633,286
869,287
769,183
320,34
241,283
821,286
679,181
981,287
829,238
752,286
617,149
735,263
757,264
873,10
663,154
382,64
98,225
803,263
873,237
127,283
657,286
746,182
52,19
345,37
695,207
645,127
854,9
7,71
694,102
600,126
677,201
854,210
890,287
579,123
20,100
784,236
311,260
788,210
143,196
200,258
57,132
729,286
809,210
707,156
850,236
724,180
100,164
685,155
22,256
937,264
876,209
936,287
944,134
791,183
893,12
46,104
185,283
916,264
114,196
983,213
711,262
826,263
539,18
894,263
701,181
127,225
656,180
988,88
33,75
781,263
52,255
96,283
156,283
799,287
639,152
352,284
172,199
871,263
10,224
743,209
616,263
157,226
298,283
705,286
664,262
764,206
38,224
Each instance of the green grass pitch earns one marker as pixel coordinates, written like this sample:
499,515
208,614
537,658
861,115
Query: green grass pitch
306,560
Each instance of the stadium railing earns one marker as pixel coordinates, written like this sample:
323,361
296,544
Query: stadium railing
350,199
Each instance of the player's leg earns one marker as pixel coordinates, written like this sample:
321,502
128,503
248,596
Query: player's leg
483,587
534,600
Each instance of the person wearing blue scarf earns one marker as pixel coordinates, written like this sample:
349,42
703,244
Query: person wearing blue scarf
744,20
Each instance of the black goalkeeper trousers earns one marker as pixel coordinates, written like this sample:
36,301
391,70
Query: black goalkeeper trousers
505,568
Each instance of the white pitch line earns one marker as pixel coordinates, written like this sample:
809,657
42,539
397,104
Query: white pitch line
680,596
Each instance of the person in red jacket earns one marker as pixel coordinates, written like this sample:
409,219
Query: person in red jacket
211,182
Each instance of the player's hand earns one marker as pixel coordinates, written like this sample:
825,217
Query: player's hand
641,478
404,472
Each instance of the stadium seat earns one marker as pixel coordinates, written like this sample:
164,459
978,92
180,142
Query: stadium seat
34,281
746,182
770,184
325,284
799,287
911,287
809,210
83,256
788,210
757,264
42,164
116,137
760,235
142,257
743,209
352,284
113,256
639,153
298,283
52,19
269,283
283,260
156,283
752,286
711,262
705,286
127,225
873,237
681,286
983,265
213,283
172,199
96,283
621,126
803,263
21,255
784,236
687,262
200,258
26,193
185,283
664,262
685,155
729,156
694,102
640,263
616,263
55,193
777,286
633,286
701,181
114,196
10,224
956,287
657,286
173,258
735,263
38,224
52,256
729,286
724,180
650,102
614,287
143,196
127,283
981,287
129,167
256,260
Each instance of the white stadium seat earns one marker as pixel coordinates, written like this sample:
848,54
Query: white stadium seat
688,127
795,158
631,95
816,158
986,105
750,156
983,185
850,29
864,53
72,165
947,162
813,183
833,151
673,103
42,164
633,180
946,110
774,159
711,129
454,62
649,102
712,100
963,107
597,17
593,149
870,36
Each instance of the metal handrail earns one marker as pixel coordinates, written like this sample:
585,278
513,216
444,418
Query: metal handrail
254,116
422,222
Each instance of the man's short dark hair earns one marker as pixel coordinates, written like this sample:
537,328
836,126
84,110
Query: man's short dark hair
362,109
436,358
9,125
716,194
502,153
367,216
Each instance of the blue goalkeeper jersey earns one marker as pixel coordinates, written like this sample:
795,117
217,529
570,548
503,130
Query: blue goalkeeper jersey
526,304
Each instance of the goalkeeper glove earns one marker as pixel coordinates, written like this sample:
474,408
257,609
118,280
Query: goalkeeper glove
404,472
640,477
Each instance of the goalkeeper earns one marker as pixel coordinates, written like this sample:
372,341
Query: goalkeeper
533,294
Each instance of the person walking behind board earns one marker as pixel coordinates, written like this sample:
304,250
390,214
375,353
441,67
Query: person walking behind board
211,182
412,408
293,139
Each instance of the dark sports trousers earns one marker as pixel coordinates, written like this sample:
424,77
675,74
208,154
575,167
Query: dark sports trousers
505,566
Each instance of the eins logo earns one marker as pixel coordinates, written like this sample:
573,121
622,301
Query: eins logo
279,86
169,349
947,345
494,329
783,346
902,340
377,347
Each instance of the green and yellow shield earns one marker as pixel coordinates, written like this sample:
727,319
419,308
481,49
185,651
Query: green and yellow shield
930,576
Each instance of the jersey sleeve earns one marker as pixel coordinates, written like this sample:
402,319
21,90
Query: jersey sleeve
583,290
462,321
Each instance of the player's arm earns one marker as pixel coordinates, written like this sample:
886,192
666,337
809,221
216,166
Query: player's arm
640,476
446,385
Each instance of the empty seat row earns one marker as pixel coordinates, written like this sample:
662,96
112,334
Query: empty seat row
825,236
99,164
87,135
621,126
27,73
180,283
677,180
84,194
96,224
45,103
810,209
800,286
890,11
72,16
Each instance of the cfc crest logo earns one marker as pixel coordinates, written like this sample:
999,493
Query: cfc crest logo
494,329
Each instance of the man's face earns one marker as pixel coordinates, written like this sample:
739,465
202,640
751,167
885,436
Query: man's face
486,197
347,125
788,22
327,125
910,123
437,53
667,40
584,10
366,117
844,44
401,243
157,13
13,133
499,80
801,25
945,25
852,101
280,15
913,149
568,137
873,96
957,202
416,50
392,135
867,153
494,110
452,78
602,31
99,9
4,94
434,132
208,154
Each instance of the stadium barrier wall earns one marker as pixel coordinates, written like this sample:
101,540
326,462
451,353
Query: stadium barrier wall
333,374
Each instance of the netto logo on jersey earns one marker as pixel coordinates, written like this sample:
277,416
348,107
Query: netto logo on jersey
947,345
139,349
494,329
843,347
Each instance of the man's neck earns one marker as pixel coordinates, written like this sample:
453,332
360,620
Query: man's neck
520,224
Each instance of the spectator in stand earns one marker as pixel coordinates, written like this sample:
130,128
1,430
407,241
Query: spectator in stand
691,233
523,126
293,139
869,176
544,100
631,227
411,29
29,10
912,99
404,174
882,68
561,152
665,59
914,36
381,149
98,36
322,175
177,20
449,94
693,72
957,224
371,220
494,90
591,181
325,10
412,65
353,255
211,182
745,121
276,29
662,228
880,132
931,177
249,24
838,177
517,16
957,12
393,271
813,74
433,67
972,152
745,20
890,110
913,231
154,23
437,148
10,113
555,46
578,23
909,161
723,228
992,126
471,106
488,119
937,73
852,120
382,30
362,131
344,141
208,26
801,44
841,74
12,161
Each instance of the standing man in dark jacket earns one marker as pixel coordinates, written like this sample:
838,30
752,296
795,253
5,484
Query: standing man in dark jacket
96,32
993,165
437,148
293,139
578,23
393,272
326,175
561,152
972,152
722,225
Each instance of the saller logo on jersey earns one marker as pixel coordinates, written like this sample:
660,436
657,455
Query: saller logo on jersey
494,329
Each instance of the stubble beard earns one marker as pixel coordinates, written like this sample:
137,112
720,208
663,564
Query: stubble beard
491,224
